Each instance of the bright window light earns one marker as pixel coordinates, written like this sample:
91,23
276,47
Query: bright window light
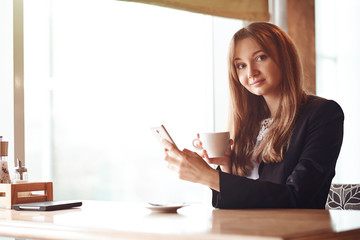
98,75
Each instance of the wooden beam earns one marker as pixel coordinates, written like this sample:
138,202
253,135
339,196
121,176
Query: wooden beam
238,9
19,115
301,28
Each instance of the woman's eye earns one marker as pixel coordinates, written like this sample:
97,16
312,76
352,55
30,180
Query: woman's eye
240,66
261,57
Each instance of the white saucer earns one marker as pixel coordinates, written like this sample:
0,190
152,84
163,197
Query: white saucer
165,208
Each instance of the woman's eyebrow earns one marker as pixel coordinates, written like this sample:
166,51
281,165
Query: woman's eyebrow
256,52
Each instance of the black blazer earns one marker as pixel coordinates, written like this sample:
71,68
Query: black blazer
303,178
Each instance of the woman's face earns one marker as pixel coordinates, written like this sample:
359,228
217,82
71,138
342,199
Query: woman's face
256,70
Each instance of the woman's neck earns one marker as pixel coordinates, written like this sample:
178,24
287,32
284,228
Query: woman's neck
273,104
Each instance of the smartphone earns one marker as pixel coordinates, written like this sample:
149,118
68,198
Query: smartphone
161,133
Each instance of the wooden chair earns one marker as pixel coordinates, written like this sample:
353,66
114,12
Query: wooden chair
344,197
25,193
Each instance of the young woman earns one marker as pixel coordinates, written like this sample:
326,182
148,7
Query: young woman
285,142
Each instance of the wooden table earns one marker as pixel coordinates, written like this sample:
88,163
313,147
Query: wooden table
117,220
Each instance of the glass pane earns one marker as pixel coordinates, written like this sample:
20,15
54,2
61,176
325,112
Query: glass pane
7,76
99,74
338,71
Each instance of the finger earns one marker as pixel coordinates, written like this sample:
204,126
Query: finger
170,147
167,158
172,161
173,167
200,152
207,159
228,149
203,153
197,144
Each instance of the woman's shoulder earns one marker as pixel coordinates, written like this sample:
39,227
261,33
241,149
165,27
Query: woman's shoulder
321,107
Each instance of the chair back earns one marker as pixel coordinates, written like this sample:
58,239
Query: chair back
344,197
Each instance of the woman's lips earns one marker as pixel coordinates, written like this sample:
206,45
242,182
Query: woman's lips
257,82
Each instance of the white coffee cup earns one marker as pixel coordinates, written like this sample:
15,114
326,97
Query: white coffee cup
215,144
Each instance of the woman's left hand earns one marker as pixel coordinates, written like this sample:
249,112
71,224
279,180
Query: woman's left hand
190,166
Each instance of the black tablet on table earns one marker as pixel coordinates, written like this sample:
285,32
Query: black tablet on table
47,206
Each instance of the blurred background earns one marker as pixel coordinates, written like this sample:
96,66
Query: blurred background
100,73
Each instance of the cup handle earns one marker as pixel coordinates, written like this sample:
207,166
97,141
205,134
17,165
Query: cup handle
195,143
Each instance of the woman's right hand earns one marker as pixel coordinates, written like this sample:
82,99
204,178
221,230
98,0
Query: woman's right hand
224,162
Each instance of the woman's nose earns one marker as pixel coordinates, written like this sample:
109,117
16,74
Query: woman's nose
252,72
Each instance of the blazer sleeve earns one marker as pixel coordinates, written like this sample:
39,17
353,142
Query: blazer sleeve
313,171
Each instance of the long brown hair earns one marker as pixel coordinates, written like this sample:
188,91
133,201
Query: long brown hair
248,110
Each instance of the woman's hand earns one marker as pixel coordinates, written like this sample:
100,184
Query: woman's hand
190,166
224,162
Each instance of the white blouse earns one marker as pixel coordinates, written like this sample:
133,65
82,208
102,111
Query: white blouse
265,124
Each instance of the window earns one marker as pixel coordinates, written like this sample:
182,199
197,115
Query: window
338,71
6,74
99,74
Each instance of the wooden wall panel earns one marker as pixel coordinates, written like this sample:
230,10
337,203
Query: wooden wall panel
301,28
